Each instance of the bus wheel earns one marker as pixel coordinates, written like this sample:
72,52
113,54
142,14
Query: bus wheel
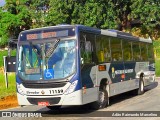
53,107
102,100
141,86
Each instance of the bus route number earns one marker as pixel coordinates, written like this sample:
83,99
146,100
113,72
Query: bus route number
59,91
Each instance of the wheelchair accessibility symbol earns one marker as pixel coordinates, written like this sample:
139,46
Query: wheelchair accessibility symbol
49,74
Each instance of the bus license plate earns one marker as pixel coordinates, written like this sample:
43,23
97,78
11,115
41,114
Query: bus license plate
43,103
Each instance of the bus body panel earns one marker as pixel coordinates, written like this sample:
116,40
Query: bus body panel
115,73
88,77
90,95
121,87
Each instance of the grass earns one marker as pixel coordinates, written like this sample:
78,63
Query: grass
11,85
11,77
157,66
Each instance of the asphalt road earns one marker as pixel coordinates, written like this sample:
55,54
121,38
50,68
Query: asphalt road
124,103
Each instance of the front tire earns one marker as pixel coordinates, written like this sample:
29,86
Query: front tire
102,101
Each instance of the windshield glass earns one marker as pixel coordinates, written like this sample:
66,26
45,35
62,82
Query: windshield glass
47,61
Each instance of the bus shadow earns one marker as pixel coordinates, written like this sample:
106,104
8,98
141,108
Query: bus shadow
152,86
130,94
68,111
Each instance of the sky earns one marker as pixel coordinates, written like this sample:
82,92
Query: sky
2,2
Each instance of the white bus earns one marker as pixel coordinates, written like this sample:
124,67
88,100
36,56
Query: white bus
76,65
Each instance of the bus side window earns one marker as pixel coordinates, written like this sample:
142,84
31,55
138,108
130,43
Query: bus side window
143,51
127,50
99,49
116,49
86,47
136,51
102,48
150,52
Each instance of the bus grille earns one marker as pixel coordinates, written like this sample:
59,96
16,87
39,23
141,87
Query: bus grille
50,100
43,85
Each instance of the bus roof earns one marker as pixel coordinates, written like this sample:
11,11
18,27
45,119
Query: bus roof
114,33
108,32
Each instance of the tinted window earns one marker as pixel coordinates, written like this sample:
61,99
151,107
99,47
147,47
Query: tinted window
116,51
103,51
127,50
143,51
136,51
86,46
150,52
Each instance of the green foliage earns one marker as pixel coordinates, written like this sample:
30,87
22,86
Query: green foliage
157,60
18,15
11,85
38,10
99,14
14,17
60,12
93,13
3,30
148,12
156,44
157,64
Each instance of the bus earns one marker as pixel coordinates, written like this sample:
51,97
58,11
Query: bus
77,65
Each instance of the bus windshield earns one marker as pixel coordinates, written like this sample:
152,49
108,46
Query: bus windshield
47,60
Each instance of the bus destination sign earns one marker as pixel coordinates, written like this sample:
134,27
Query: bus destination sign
46,35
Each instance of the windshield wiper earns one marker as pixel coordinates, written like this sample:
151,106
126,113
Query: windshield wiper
50,50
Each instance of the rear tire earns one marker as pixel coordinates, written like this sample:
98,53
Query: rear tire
102,101
141,87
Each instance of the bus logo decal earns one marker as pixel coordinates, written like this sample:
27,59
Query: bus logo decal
113,72
43,92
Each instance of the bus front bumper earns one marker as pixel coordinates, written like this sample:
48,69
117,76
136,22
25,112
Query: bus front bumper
74,98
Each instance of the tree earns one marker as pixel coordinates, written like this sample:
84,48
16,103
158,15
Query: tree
148,11
18,15
99,13
38,10
3,30
95,13
122,11
78,12
15,17
59,12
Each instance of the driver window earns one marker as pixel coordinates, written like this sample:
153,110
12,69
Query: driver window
86,47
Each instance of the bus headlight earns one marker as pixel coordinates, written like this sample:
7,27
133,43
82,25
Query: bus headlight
71,88
19,89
